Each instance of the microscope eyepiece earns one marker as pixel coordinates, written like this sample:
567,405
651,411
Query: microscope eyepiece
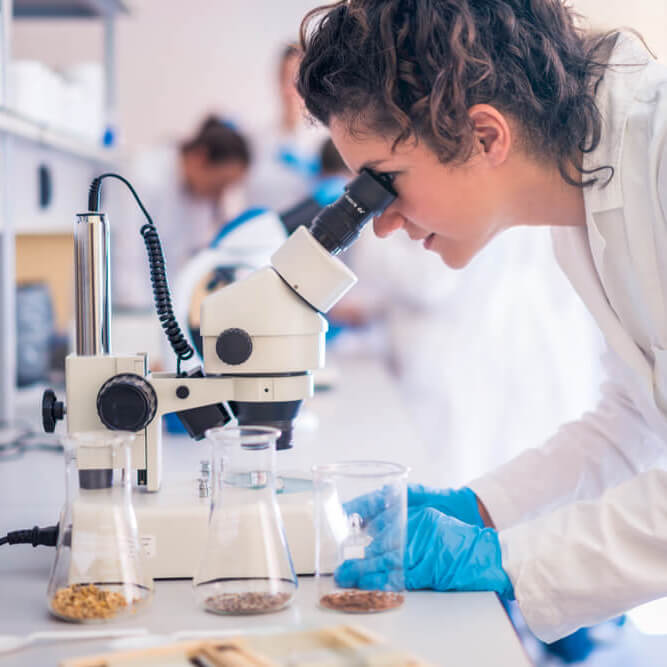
339,224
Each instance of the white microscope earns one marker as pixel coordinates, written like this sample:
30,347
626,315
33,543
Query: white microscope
262,338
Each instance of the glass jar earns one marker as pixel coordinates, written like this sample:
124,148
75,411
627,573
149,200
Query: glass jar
360,522
98,573
246,567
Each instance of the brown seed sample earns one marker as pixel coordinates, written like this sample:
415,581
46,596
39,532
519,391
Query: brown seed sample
247,603
362,601
87,602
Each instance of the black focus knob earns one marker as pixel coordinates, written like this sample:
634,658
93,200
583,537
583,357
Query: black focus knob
126,402
234,346
52,410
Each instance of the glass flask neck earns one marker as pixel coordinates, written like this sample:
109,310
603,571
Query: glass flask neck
246,466
244,457
98,464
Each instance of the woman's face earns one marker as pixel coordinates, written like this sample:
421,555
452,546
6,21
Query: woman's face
210,180
454,209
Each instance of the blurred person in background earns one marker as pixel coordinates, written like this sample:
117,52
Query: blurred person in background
186,189
328,184
286,153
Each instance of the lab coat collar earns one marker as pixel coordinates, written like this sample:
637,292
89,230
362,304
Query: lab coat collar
574,254
614,96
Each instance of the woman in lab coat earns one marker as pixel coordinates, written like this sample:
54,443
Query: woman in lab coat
490,115
186,189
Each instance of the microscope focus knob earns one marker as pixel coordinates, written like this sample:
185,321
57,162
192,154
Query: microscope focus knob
52,411
126,402
234,346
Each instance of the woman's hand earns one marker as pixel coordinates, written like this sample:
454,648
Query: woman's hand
441,553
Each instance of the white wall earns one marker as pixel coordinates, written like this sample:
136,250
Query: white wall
178,59
649,17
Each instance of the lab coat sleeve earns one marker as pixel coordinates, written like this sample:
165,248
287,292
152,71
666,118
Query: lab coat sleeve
604,448
592,560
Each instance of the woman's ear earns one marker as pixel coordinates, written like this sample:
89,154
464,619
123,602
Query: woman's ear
492,134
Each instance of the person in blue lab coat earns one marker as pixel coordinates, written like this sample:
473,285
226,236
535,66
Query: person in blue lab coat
286,151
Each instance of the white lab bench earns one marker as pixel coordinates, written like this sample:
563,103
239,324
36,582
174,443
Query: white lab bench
360,418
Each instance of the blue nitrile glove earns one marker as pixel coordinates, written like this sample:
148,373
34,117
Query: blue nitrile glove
371,505
459,503
383,515
442,553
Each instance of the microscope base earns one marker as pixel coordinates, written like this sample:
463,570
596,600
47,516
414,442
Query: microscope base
173,524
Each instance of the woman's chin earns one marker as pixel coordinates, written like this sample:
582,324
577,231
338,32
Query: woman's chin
454,256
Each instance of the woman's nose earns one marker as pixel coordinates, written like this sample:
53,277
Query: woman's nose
387,223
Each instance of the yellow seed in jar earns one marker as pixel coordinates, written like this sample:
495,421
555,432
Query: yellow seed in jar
87,602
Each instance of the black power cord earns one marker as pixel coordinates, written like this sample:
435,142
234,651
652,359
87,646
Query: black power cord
36,536
158,271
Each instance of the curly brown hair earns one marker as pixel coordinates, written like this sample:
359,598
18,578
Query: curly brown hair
411,69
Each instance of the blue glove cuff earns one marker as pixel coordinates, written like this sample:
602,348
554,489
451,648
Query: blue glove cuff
458,503
500,582
471,506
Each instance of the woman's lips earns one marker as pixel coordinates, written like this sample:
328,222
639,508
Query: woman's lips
428,240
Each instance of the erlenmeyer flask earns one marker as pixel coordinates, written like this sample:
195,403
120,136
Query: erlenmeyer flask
246,567
98,572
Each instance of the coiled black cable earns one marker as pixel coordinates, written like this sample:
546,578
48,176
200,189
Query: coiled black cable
158,272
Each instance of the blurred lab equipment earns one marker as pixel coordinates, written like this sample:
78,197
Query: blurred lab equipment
188,188
246,567
72,100
35,330
330,646
360,516
11,643
262,337
98,573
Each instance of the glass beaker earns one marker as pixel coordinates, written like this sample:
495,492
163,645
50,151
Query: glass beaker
98,572
360,522
246,567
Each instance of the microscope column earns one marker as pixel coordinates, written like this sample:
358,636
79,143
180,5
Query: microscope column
92,285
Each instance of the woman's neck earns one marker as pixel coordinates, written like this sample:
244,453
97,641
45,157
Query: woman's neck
543,197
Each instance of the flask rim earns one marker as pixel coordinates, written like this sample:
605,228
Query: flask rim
250,436
366,469
98,439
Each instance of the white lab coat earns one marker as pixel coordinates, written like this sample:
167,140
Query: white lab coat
186,224
470,347
583,519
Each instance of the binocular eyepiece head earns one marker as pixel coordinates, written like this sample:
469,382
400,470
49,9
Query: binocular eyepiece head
338,225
